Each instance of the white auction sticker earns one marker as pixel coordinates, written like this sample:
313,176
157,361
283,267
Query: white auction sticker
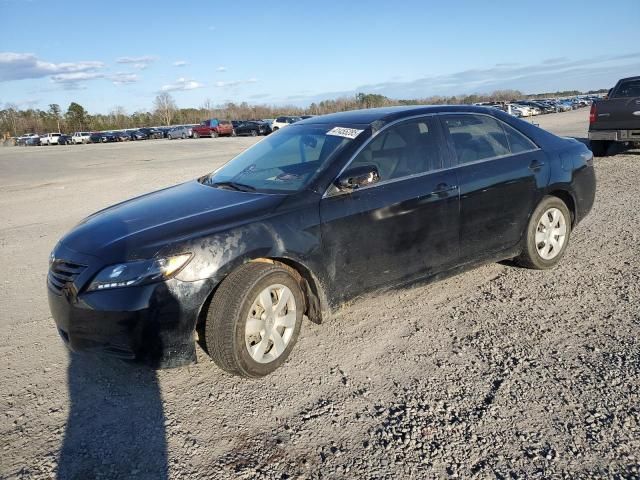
345,132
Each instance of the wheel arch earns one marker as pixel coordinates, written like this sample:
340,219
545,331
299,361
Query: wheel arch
317,307
567,197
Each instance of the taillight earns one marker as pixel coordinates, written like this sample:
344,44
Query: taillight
592,113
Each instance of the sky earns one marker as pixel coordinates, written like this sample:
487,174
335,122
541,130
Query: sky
123,53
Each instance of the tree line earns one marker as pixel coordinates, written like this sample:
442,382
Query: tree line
15,121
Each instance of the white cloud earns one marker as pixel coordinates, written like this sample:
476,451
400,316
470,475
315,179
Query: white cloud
76,77
181,84
221,69
234,83
138,62
123,78
21,66
180,63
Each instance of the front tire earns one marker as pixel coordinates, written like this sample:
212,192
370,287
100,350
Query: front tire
600,147
214,134
254,319
547,235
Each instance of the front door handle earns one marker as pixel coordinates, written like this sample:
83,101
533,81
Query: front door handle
536,165
444,187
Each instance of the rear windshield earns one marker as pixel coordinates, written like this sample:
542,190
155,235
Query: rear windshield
630,88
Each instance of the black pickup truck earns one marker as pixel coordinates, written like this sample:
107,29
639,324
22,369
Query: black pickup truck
616,118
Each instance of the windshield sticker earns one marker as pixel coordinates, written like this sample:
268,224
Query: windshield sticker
345,132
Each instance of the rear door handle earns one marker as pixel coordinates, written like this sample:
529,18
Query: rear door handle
443,188
536,165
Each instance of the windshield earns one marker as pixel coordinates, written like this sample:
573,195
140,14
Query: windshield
285,161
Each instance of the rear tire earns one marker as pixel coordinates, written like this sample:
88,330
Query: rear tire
600,147
214,134
547,235
196,135
243,336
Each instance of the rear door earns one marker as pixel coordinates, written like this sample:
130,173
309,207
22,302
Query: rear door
501,174
402,227
622,110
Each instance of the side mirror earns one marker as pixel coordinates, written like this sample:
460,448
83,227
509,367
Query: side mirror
357,177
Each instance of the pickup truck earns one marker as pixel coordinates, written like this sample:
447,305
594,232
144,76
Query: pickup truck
616,118
50,138
213,128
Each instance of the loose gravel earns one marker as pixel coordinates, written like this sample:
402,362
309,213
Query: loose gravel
499,372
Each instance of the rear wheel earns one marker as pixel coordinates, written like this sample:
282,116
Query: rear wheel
214,134
184,135
254,319
600,147
169,137
196,135
547,235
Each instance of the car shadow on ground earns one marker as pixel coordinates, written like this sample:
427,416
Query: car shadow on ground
116,424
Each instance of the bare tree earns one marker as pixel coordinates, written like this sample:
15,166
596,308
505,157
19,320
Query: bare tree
208,106
165,107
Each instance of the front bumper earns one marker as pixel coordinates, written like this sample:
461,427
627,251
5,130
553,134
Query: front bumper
154,323
615,135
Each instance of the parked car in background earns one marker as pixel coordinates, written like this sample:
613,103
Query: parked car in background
32,141
181,131
283,121
213,128
22,139
152,132
81,137
253,128
137,135
65,139
304,117
50,138
103,137
237,123
122,136
269,121
616,119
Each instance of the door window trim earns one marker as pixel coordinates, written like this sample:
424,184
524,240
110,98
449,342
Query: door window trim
329,191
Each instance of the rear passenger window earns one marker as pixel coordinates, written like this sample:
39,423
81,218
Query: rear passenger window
518,143
476,137
409,148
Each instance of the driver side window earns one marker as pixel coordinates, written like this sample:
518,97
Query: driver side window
409,148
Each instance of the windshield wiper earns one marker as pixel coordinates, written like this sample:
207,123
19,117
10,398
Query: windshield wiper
240,187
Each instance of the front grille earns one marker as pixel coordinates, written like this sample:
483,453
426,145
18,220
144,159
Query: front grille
61,274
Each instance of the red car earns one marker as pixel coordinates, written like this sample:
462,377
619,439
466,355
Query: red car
213,128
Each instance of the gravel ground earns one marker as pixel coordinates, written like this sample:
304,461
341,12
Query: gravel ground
496,373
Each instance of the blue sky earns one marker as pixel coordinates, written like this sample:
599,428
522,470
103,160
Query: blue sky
107,54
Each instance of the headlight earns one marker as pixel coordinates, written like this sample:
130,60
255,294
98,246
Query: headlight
139,272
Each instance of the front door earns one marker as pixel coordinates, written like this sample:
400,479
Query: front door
402,227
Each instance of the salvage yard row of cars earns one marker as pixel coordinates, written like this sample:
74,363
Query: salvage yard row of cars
530,108
213,128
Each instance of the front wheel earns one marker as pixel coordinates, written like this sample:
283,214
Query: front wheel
214,134
254,133
254,319
547,235
600,147
196,135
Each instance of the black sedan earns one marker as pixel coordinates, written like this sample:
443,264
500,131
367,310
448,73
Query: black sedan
103,137
314,215
253,128
152,132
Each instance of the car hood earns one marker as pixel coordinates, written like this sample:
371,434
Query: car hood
141,227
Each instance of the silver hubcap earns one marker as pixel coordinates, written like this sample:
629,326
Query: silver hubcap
551,233
270,323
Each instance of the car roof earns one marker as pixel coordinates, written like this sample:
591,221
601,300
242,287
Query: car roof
390,114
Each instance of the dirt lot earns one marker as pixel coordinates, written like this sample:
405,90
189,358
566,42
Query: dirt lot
500,372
